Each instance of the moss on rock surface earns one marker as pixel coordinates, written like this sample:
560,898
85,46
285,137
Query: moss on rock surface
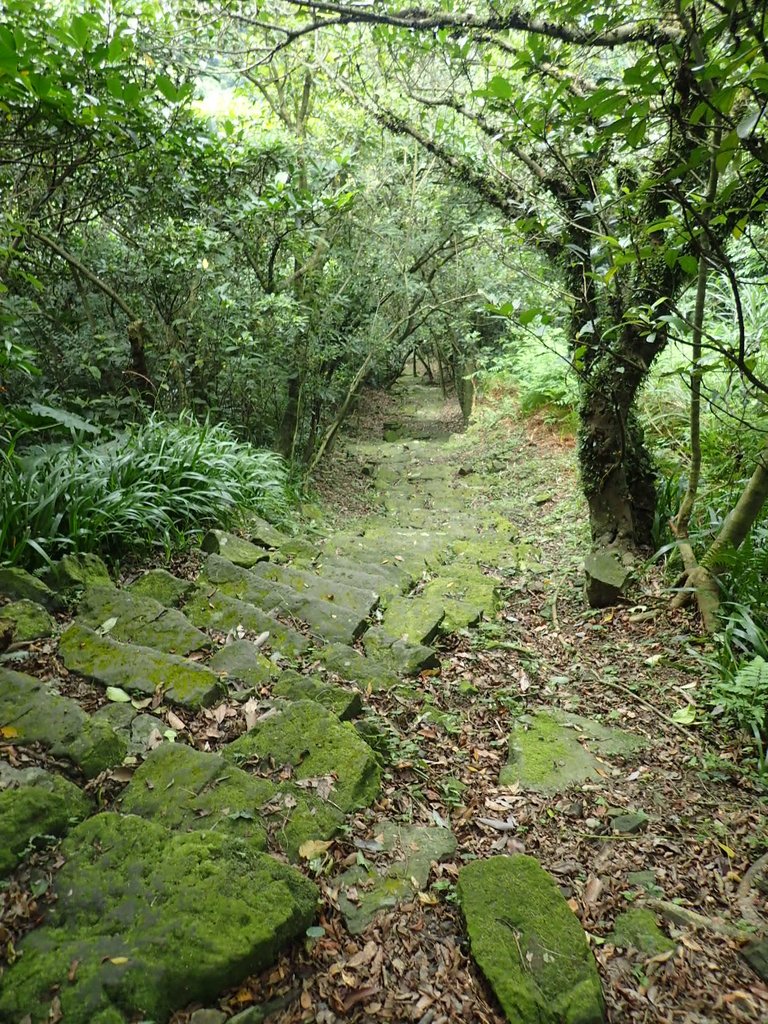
638,929
528,943
234,548
140,620
345,704
162,586
416,619
190,790
27,620
36,713
209,608
138,669
356,668
75,572
35,803
243,662
546,753
154,921
20,585
316,744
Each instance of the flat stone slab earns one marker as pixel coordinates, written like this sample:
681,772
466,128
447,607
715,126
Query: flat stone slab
551,750
152,921
161,585
209,608
414,619
398,580
329,621
411,851
528,943
18,584
356,668
34,802
233,548
139,620
190,790
317,746
27,620
401,656
264,534
142,732
138,669
606,578
242,662
466,594
322,588
31,711
345,704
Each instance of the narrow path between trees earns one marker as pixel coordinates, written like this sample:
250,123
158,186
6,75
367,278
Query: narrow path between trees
371,719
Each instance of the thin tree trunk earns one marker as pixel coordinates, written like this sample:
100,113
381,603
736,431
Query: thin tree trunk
330,434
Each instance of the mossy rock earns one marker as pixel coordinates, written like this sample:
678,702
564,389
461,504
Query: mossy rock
31,711
162,586
243,662
140,620
366,673
33,803
362,601
138,669
402,656
411,850
233,548
154,921
345,704
78,572
209,608
546,753
415,619
27,620
142,732
528,943
190,790
20,585
637,929
606,577
316,744
466,593
264,534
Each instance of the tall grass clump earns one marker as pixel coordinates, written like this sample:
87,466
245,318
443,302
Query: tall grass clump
151,485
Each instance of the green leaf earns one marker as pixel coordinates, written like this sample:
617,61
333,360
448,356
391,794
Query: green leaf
315,932
527,316
500,87
167,87
107,626
114,693
685,716
688,263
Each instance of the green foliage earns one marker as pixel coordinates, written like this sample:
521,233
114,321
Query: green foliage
152,485
743,700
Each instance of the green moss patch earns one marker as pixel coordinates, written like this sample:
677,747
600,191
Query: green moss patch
366,672
78,572
637,929
140,620
35,803
551,750
162,586
19,585
528,943
345,704
31,711
138,669
26,620
209,608
153,921
401,656
317,745
416,619
243,662
233,548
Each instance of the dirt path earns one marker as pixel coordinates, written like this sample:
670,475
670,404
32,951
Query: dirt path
705,825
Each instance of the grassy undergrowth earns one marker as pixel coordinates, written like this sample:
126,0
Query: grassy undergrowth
151,485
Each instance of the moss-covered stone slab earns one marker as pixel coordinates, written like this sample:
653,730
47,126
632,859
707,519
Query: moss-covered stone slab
416,619
410,852
327,620
466,594
31,711
76,572
398,579
26,620
345,704
33,803
528,943
403,657
18,584
140,620
190,790
138,669
142,732
637,929
264,534
348,663
233,548
162,586
153,921
552,750
242,662
316,745
605,578
322,588
209,608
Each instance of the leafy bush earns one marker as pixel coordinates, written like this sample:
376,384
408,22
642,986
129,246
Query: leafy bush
154,484
743,700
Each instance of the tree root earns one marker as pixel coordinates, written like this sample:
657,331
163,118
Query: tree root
748,912
685,918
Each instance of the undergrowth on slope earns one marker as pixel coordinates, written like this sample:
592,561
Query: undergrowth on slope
150,485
